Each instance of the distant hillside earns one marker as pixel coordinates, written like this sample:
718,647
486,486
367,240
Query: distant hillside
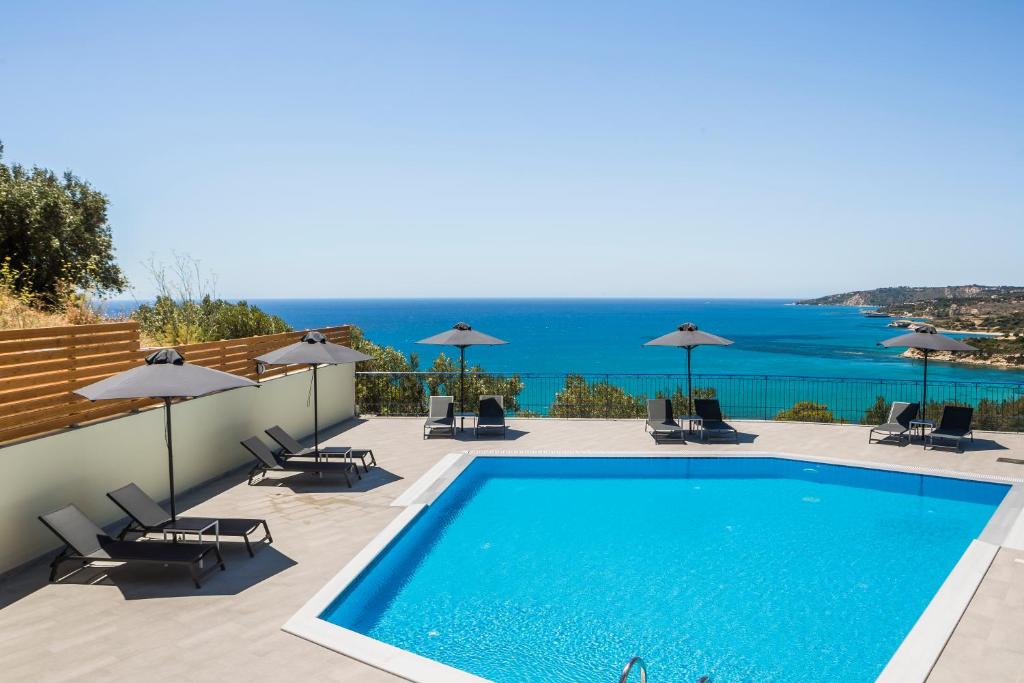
966,308
893,296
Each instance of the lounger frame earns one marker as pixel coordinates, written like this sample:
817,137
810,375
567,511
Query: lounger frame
960,429
437,424
897,425
266,461
229,527
70,554
492,426
712,424
661,422
291,448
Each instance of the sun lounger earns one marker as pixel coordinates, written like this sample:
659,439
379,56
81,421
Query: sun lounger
291,448
491,416
87,543
661,422
148,517
266,461
897,425
954,426
441,419
712,424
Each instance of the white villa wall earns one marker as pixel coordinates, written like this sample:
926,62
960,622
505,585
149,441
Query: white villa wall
80,465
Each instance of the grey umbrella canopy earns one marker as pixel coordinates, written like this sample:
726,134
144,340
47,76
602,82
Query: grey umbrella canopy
688,336
926,339
462,335
313,349
165,375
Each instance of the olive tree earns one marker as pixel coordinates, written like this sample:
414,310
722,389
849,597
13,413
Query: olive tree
55,232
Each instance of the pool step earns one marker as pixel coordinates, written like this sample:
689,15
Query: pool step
641,667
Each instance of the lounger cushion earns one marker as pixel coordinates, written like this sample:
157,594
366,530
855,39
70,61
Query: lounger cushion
150,551
717,426
663,426
293,466
950,433
891,429
77,530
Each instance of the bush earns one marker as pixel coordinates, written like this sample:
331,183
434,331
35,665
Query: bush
680,404
878,413
579,398
806,411
389,394
168,322
185,312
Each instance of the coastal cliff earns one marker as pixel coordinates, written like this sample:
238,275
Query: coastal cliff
997,312
890,296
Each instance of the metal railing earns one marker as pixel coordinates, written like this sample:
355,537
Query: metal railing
998,405
641,668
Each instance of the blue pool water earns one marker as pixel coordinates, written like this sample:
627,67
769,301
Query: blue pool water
561,569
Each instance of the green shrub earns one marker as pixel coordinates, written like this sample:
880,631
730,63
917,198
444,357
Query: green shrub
806,411
478,382
579,398
877,413
168,322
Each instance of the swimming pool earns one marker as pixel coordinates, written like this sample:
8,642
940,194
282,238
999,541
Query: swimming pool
559,569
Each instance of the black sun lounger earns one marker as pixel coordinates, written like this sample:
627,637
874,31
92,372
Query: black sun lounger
897,425
266,461
291,448
491,416
87,543
148,517
661,422
441,418
954,426
712,424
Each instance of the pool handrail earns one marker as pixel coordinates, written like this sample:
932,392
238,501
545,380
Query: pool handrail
635,661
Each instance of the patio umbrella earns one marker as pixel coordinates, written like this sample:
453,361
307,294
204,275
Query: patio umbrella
313,349
462,335
688,336
167,376
926,339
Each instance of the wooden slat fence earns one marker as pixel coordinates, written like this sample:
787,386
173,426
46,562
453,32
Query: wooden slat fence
40,368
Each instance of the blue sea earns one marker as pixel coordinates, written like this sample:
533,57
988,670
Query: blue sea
771,337
775,342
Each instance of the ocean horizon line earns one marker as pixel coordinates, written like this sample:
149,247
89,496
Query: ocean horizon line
494,298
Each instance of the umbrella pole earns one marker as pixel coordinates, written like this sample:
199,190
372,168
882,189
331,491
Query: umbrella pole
316,416
689,382
924,388
462,386
170,455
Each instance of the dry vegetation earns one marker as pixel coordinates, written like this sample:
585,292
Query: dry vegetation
15,314
20,310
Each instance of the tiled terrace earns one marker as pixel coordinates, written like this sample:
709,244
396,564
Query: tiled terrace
153,625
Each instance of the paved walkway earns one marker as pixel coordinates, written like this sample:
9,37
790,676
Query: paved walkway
148,624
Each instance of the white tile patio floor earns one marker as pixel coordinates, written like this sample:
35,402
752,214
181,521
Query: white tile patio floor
153,625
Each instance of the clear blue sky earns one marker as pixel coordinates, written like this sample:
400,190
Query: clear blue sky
535,149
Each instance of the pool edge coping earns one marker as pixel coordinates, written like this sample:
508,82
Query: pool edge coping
912,661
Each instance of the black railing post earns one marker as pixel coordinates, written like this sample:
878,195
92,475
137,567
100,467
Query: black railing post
764,399
607,397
